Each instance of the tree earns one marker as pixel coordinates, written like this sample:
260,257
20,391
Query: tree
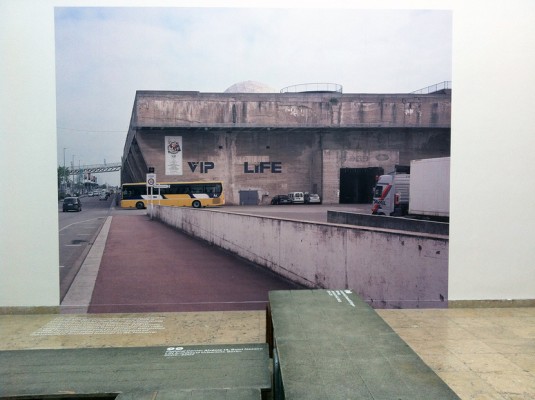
63,177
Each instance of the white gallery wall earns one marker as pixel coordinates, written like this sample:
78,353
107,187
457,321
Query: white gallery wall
492,232
492,235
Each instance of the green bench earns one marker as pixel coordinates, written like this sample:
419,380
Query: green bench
329,344
237,372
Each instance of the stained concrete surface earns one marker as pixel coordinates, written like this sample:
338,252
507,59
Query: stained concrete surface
332,345
137,371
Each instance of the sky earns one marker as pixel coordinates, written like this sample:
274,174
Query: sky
104,55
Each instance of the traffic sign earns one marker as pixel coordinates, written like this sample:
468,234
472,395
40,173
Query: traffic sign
158,186
151,180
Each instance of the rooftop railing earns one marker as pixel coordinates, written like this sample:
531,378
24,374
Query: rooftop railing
434,88
313,88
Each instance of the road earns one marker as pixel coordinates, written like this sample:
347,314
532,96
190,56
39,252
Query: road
301,212
78,230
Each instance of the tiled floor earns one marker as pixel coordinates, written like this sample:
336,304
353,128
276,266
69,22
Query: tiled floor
481,353
18,332
484,354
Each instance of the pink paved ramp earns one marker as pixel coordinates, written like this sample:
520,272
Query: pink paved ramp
150,267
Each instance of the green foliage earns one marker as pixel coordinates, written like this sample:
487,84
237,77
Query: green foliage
63,176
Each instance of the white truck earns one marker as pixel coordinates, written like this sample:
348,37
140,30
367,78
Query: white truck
422,193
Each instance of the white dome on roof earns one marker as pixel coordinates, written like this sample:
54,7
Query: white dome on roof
250,87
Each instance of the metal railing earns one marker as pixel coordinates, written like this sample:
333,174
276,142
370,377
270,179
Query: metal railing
313,88
108,167
434,88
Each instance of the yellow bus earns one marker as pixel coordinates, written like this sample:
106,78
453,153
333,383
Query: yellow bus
179,194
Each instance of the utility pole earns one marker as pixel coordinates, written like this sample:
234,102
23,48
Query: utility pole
72,167
64,174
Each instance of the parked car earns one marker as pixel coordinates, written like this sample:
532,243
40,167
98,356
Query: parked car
312,198
72,203
281,199
297,197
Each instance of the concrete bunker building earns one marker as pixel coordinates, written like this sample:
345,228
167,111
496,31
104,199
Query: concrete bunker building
309,137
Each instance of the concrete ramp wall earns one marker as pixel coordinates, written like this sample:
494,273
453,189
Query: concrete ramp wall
387,268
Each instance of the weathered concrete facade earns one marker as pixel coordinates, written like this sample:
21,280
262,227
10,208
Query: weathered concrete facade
271,143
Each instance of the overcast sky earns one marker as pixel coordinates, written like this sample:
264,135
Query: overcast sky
103,55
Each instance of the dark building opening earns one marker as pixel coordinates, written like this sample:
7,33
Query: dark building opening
356,184
248,197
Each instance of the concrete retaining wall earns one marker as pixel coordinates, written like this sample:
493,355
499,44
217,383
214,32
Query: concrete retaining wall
389,269
382,221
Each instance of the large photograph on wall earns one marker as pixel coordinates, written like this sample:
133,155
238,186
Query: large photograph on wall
207,156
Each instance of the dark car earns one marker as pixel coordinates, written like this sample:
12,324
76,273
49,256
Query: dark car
281,199
72,203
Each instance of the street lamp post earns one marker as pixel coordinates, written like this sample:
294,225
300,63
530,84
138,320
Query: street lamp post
64,174
73,175
79,176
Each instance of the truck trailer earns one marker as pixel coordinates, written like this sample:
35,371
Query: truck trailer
423,192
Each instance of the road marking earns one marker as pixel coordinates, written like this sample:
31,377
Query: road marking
76,223
72,245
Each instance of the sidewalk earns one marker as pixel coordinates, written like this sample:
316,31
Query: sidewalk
146,266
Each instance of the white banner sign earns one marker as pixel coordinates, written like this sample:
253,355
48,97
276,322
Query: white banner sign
173,155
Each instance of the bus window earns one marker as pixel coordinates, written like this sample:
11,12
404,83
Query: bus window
197,189
183,189
214,190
